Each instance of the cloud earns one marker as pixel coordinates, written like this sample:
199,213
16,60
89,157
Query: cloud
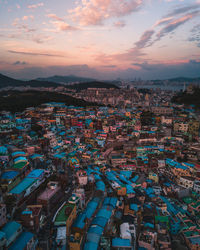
169,70
25,18
183,10
195,35
19,63
34,6
163,21
145,39
119,24
109,66
30,53
53,16
60,24
94,12
63,26
40,38
175,24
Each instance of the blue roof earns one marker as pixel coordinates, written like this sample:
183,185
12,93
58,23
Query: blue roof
118,242
20,158
80,221
90,246
104,213
195,240
34,156
93,237
9,175
90,209
21,241
100,185
112,201
36,173
101,221
10,228
126,173
18,153
3,150
22,186
134,207
2,235
96,229
129,189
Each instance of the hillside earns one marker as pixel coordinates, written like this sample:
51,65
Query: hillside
7,81
10,82
188,99
95,84
65,79
17,101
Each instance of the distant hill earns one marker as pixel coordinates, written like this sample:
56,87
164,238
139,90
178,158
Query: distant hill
7,81
188,99
17,101
10,82
95,84
185,79
66,79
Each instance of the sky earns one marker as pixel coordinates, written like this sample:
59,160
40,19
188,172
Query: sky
103,39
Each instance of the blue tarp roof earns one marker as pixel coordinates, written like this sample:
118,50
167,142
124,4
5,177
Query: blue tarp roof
21,241
17,153
80,221
134,207
104,213
101,221
10,229
20,158
90,246
22,186
112,201
93,237
90,209
96,229
2,235
3,150
100,186
36,173
118,242
34,156
9,175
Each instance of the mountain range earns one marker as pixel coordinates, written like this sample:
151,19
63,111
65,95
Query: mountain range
84,83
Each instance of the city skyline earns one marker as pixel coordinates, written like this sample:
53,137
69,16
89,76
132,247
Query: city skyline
103,39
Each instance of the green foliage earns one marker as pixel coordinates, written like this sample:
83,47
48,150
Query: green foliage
188,99
146,118
95,84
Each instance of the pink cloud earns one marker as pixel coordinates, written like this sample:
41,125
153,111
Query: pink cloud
94,12
34,6
24,18
175,24
53,16
63,26
119,24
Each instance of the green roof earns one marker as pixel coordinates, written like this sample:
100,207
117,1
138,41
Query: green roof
19,165
62,216
188,200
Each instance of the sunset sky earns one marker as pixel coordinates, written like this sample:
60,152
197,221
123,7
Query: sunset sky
104,39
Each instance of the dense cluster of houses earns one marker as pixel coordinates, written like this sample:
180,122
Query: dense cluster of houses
100,178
